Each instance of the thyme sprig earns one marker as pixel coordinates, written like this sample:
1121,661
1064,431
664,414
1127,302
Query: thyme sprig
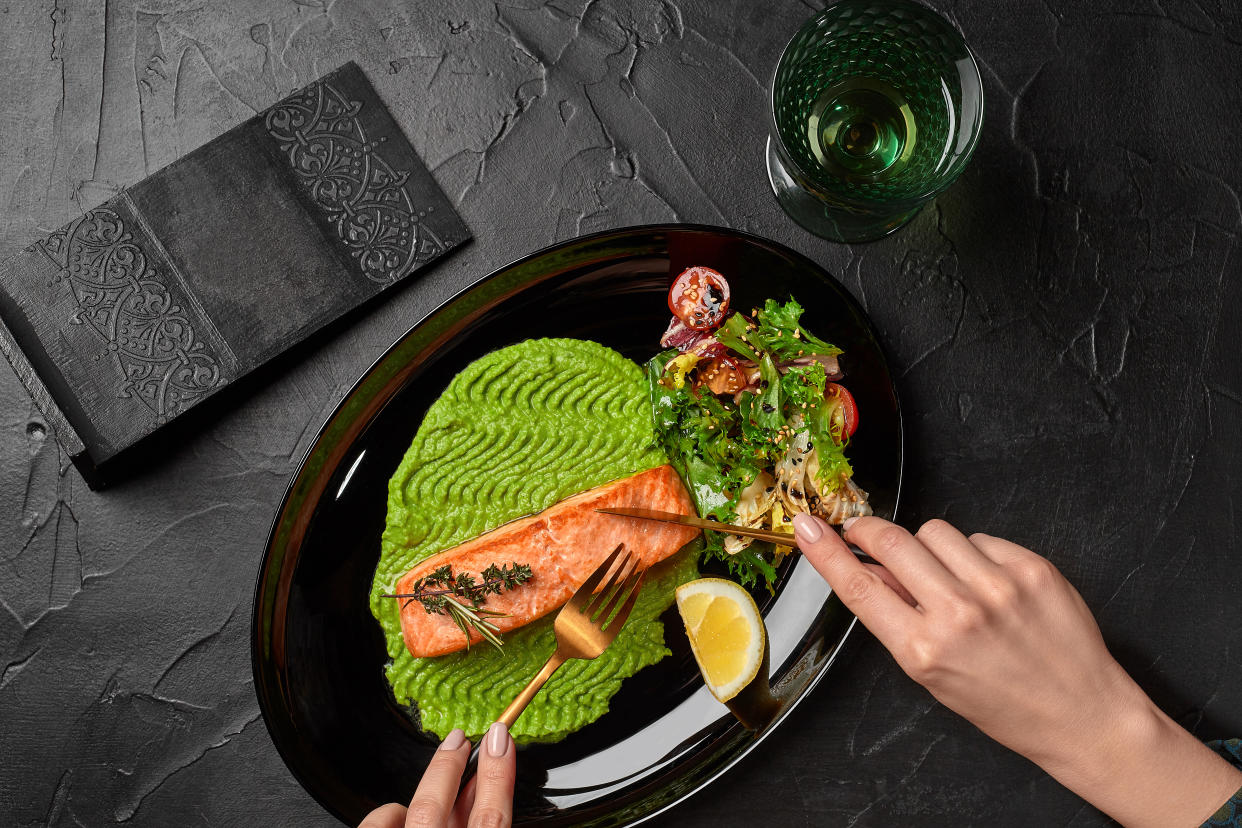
461,597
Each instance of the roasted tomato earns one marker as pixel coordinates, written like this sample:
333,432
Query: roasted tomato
842,410
699,298
723,375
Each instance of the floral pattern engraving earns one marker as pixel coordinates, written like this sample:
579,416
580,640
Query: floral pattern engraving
125,301
363,196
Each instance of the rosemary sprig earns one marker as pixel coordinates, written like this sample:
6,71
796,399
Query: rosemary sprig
461,597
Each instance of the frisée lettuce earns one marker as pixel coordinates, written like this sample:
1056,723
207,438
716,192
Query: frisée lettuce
754,421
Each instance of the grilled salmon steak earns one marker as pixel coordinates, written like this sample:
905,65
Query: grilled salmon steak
563,545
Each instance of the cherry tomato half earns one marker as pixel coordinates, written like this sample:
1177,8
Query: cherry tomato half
699,298
723,375
842,409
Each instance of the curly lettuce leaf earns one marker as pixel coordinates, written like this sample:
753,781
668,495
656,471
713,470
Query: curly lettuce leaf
734,334
779,332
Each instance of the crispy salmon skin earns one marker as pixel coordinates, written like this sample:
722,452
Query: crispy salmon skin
563,545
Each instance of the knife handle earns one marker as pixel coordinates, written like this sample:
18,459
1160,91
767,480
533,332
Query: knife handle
472,764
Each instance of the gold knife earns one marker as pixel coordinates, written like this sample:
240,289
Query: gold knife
779,538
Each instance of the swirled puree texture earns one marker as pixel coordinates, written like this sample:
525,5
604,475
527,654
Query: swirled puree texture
515,432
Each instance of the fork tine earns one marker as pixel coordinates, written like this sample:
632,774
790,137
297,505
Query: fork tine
619,619
617,597
583,593
623,571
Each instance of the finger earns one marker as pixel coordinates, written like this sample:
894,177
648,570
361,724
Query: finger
437,790
391,815
893,584
951,548
999,550
465,801
493,799
863,591
904,556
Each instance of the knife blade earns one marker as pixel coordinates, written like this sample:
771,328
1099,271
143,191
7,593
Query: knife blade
779,538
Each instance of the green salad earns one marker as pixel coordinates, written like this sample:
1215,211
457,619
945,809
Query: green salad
749,411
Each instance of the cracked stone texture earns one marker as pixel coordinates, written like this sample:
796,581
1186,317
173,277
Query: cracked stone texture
1063,322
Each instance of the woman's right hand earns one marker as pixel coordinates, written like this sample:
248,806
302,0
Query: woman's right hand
485,802
998,635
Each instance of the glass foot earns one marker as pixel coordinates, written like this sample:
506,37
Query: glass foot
841,223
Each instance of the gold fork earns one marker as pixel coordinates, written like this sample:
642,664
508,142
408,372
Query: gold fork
584,628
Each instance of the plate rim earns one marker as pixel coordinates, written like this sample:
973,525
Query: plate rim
618,232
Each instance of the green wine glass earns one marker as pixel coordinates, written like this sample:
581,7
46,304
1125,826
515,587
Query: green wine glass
876,108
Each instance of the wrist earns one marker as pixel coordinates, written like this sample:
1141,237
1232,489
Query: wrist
1140,767
1088,742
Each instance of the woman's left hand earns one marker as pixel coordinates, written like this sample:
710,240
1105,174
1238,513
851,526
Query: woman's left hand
487,802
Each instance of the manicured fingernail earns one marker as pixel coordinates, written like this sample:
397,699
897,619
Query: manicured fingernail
498,739
807,529
454,740
845,527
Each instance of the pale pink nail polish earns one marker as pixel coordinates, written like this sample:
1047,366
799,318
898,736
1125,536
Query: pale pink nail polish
807,529
497,740
845,527
454,740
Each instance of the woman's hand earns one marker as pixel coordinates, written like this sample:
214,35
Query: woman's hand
486,802
998,635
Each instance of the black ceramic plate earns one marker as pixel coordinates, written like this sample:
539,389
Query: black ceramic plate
318,654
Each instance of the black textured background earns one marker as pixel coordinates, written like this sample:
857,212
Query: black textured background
1064,322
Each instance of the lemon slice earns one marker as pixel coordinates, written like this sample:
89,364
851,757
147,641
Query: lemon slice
725,632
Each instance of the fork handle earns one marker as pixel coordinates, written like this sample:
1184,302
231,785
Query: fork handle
515,708
511,713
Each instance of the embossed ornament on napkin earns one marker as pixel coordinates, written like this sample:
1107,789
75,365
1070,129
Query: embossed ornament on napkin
148,338
344,169
146,306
